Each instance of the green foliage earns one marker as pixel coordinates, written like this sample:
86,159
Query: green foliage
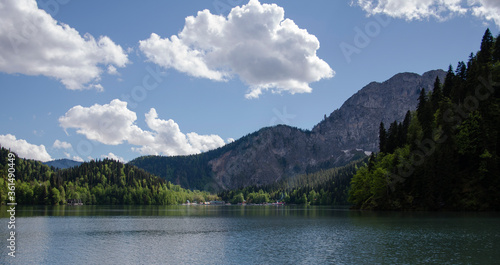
382,134
396,136
450,158
326,187
94,182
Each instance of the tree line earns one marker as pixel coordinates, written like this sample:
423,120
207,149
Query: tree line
445,155
96,182
109,182
325,187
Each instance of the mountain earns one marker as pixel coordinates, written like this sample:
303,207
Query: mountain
274,153
62,163
356,123
450,157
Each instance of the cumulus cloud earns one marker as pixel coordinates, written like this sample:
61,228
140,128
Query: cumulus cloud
413,9
487,9
110,124
24,149
77,159
114,124
439,9
33,43
254,42
61,145
114,157
205,142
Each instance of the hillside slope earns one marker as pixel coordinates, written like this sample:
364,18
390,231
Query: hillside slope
278,152
62,163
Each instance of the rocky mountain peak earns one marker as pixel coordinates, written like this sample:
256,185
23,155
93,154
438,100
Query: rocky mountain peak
355,124
278,152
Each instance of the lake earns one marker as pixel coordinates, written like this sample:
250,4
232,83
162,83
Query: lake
247,235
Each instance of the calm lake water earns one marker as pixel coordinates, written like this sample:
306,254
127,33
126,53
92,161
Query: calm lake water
247,235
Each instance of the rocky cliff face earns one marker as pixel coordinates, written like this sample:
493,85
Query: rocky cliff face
282,151
274,153
356,123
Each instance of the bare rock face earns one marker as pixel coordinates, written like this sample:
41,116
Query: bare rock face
282,151
270,155
356,123
278,152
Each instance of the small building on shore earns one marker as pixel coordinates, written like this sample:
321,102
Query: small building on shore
74,202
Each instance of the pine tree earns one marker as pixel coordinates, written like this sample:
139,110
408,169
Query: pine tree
461,71
382,138
406,125
424,114
437,95
496,49
458,91
392,137
484,55
448,82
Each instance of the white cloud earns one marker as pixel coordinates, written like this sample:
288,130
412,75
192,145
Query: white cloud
114,124
255,42
77,159
205,142
33,43
114,157
112,70
24,149
439,9
487,9
61,145
109,123
413,9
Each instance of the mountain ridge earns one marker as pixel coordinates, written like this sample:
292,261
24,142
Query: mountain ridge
372,101
273,153
62,163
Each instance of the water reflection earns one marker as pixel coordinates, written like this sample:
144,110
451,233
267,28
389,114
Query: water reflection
177,210
249,235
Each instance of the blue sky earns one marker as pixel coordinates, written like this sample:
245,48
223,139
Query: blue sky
121,79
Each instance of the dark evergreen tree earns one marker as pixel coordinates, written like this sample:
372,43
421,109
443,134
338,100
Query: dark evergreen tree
485,54
406,126
437,95
392,137
458,91
496,49
424,114
382,135
448,82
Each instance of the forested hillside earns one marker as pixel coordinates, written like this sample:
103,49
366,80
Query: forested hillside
94,182
444,156
325,187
